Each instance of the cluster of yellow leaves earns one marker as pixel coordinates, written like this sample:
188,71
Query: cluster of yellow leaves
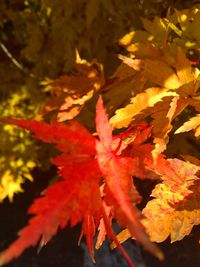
171,82
179,28
158,77
11,181
15,170
18,151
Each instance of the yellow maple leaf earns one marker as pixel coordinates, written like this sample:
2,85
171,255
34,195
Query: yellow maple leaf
139,103
163,114
142,50
166,70
175,221
135,37
9,186
155,70
192,124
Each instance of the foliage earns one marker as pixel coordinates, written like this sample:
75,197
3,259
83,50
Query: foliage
17,157
37,42
34,48
152,99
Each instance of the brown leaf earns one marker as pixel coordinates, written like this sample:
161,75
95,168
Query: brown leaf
70,92
154,70
125,80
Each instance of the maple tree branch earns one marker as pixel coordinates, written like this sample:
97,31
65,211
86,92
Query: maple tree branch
14,61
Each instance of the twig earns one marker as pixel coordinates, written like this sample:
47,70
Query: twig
14,61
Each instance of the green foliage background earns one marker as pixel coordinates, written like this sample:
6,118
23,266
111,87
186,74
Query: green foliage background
38,41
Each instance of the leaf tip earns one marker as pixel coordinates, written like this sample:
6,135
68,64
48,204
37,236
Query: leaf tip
100,102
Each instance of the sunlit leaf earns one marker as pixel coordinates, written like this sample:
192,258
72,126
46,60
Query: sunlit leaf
175,208
9,186
192,124
139,103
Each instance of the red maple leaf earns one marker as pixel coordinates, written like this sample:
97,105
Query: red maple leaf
117,172
76,197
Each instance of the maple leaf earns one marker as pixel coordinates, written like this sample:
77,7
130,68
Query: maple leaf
175,208
9,186
71,92
124,79
154,70
120,190
174,73
139,103
192,124
74,199
77,198
60,204
145,167
163,114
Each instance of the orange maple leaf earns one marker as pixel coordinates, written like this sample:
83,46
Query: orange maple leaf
175,208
